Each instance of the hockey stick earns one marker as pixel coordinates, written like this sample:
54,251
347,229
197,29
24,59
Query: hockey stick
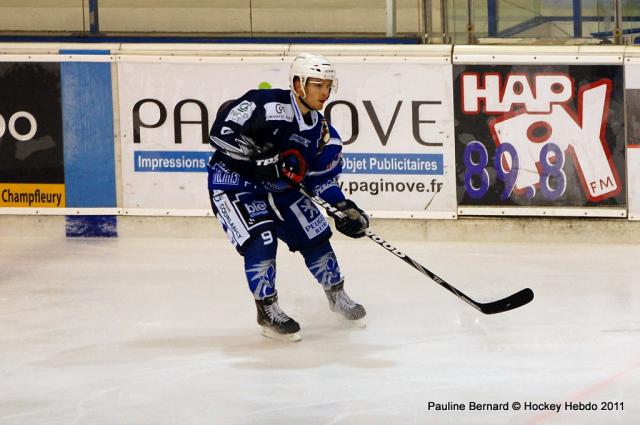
511,302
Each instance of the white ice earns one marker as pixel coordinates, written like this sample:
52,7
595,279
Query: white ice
162,331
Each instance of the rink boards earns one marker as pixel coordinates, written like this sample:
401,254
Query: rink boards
428,131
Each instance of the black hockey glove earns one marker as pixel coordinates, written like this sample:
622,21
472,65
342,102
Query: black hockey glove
289,165
355,222
267,168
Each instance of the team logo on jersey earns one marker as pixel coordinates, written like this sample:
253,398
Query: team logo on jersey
252,211
221,175
256,209
275,111
228,217
241,113
326,185
326,270
299,139
309,217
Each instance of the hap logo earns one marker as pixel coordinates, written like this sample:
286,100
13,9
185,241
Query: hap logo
548,133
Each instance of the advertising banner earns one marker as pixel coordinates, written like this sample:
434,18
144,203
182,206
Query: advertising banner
540,135
31,146
166,111
632,95
395,118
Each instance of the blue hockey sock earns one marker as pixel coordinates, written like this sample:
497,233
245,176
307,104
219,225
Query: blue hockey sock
260,267
322,263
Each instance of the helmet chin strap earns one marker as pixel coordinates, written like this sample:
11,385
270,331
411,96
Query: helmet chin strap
302,97
305,103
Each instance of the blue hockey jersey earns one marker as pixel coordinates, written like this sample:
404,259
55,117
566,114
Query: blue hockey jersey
270,119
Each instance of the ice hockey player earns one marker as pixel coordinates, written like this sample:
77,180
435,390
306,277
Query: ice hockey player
266,142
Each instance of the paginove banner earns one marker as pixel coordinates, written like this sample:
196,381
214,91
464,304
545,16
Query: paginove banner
395,122
166,111
31,147
540,136
394,116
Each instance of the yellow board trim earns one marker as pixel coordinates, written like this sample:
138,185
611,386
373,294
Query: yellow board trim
32,195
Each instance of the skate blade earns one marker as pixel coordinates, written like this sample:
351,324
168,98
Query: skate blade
271,334
353,324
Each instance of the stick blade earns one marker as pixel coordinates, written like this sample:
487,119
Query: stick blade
509,303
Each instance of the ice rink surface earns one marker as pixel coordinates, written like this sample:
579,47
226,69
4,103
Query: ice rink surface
162,331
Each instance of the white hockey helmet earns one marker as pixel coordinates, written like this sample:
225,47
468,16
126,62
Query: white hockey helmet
308,65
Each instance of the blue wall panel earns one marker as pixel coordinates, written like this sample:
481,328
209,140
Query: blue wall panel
87,112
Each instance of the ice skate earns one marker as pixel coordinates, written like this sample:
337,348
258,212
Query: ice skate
348,309
274,322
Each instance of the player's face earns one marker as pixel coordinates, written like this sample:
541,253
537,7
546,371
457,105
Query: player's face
318,91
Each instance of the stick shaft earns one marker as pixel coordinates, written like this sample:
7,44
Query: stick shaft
509,303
